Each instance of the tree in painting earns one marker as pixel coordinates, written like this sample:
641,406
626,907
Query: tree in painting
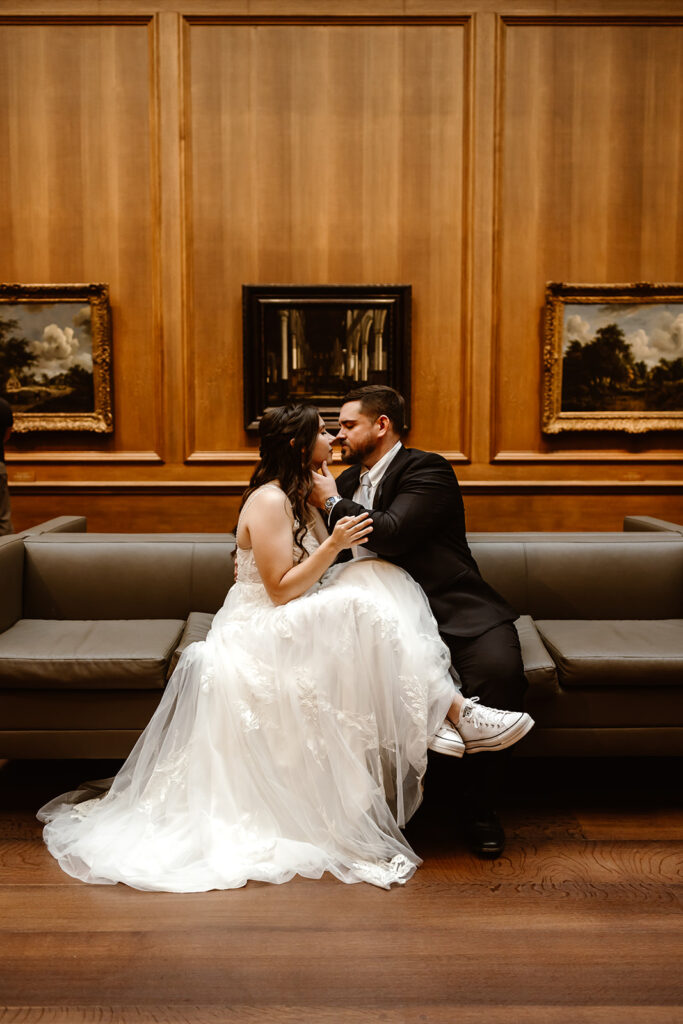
15,355
603,375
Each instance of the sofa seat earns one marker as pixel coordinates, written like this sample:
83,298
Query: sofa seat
102,654
618,653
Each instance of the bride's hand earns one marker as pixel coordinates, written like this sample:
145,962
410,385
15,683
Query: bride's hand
351,530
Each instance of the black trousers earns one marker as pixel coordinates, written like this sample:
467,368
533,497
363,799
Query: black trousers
490,667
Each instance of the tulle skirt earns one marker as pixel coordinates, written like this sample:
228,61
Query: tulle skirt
293,740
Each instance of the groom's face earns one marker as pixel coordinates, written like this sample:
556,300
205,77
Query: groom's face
358,434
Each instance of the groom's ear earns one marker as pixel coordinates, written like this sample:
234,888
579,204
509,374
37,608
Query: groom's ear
384,424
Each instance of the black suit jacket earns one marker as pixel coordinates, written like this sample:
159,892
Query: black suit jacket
418,522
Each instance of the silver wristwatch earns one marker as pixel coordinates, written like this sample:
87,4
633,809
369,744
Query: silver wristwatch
331,502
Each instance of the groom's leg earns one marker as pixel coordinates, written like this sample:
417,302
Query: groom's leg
490,667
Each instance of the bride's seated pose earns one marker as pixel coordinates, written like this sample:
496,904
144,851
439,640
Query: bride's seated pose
294,739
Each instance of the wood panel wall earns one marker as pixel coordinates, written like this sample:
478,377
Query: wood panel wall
474,151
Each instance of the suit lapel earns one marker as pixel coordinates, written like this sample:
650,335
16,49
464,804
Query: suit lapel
347,482
395,465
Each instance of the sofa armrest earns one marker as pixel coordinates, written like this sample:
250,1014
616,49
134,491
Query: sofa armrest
637,524
61,524
12,576
539,667
196,629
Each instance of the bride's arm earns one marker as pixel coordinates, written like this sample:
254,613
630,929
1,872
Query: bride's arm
270,528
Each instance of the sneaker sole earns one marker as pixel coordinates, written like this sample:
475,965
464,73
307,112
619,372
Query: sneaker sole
506,739
441,747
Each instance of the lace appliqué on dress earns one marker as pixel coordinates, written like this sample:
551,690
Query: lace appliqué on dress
385,873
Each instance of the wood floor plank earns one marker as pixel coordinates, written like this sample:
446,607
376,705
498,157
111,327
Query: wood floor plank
613,823
27,861
71,913
359,981
330,906
454,1013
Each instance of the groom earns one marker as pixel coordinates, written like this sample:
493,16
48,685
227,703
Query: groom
419,524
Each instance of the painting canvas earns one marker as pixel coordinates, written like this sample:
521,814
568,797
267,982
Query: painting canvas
315,343
613,357
55,356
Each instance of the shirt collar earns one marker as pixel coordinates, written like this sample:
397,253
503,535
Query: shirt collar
375,474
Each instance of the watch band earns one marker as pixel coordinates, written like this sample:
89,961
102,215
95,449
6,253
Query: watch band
331,502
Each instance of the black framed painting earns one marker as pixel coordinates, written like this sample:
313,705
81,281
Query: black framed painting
314,343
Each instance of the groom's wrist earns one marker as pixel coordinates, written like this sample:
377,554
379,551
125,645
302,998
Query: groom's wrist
329,504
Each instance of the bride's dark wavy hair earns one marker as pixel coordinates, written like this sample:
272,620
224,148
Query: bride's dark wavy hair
288,434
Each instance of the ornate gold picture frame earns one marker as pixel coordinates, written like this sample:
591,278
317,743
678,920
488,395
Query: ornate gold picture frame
613,357
55,356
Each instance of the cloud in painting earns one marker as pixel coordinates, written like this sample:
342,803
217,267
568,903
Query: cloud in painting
578,329
663,341
82,319
58,350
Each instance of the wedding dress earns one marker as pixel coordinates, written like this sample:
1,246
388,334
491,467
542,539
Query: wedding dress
293,740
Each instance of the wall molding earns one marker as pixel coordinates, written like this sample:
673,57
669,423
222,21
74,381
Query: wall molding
46,456
250,456
185,487
603,455
593,20
76,19
327,19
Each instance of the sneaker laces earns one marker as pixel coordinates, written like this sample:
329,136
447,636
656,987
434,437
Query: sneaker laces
482,716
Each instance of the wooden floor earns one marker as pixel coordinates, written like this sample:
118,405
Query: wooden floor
580,921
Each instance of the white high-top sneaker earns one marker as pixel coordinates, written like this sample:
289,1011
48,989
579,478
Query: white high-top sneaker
483,728
447,740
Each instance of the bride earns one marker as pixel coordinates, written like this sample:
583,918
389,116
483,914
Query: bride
293,740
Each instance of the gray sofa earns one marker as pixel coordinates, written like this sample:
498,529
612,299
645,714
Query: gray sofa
91,626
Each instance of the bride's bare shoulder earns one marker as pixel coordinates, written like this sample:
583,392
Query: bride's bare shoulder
268,499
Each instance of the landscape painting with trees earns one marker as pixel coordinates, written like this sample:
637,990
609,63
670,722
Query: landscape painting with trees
55,356
615,363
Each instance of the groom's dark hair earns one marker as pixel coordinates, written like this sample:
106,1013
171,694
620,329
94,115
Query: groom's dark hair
380,400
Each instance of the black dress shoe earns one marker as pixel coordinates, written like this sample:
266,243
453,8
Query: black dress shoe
484,834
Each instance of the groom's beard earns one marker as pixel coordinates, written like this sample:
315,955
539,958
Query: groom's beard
356,456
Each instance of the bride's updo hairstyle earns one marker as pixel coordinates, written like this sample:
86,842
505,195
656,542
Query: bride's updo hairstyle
287,434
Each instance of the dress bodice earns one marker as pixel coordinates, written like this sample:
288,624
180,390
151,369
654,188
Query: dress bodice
247,571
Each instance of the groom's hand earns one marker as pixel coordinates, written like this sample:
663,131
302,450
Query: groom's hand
324,486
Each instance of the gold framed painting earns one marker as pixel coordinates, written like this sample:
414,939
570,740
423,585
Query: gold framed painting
613,357
55,356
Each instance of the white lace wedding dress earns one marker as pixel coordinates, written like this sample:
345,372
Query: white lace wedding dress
293,740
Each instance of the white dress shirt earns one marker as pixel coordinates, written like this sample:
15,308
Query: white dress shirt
366,490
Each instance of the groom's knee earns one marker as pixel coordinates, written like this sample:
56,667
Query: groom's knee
490,666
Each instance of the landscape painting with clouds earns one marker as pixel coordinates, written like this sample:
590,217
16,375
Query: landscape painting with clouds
46,357
622,356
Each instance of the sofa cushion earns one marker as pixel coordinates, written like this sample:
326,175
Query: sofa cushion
633,579
196,629
615,653
539,667
102,654
86,576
